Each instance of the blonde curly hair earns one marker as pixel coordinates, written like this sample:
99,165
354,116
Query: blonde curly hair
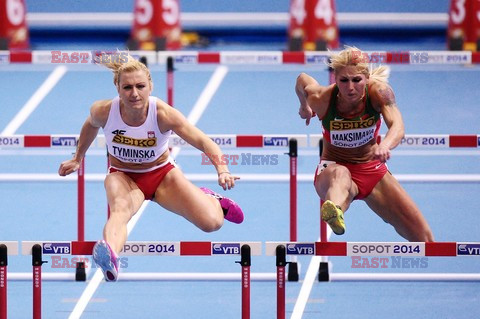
352,56
121,62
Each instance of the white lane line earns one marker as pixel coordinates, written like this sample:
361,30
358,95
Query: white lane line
197,111
205,98
35,100
310,277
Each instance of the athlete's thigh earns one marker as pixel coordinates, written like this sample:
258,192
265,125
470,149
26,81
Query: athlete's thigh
177,194
123,195
327,174
336,178
392,203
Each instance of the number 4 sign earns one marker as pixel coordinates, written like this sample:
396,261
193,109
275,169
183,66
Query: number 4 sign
313,25
13,27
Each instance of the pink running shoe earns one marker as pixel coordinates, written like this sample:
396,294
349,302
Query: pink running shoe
106,259
231,211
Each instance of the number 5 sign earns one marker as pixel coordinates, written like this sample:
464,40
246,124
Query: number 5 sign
156,25
13,27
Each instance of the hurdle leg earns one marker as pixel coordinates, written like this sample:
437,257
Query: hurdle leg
245,262
281,262
3,281
293,154
37,263
323,269
81,202
170,82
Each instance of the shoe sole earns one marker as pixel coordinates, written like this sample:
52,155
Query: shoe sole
234,212
102,258
330,216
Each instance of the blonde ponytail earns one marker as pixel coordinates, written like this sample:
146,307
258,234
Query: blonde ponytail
380,74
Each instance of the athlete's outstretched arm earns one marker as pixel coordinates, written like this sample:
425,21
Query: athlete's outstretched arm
89,131
312,97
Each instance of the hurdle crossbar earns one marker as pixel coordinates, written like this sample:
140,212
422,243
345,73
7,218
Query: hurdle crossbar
228,141
268,58
411,249
246,178
206,248
147,248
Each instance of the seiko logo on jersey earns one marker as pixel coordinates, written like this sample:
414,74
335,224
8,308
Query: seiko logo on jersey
349,125
119,138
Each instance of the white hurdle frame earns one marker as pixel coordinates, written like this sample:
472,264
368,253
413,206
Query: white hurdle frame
415,142
153,248
269,141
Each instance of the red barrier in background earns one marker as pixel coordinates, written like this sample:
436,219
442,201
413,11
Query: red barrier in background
13,26
156,25
464,25
313,25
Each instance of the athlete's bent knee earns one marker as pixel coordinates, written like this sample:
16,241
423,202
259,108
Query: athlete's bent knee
211,225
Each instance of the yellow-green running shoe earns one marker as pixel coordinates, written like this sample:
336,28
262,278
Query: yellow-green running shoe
333,215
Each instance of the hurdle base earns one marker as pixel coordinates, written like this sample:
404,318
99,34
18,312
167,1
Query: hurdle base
4,43
295,44
292,271
160,44
455,44
80,274
321,45
323,272
132,44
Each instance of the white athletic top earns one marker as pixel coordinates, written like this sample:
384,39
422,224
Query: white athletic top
135,144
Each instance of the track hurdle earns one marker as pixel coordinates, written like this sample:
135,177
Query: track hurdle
148,248
382,249
405,249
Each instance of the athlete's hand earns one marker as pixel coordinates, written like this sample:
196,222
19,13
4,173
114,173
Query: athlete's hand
382,153
306,113
68,167
227,180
